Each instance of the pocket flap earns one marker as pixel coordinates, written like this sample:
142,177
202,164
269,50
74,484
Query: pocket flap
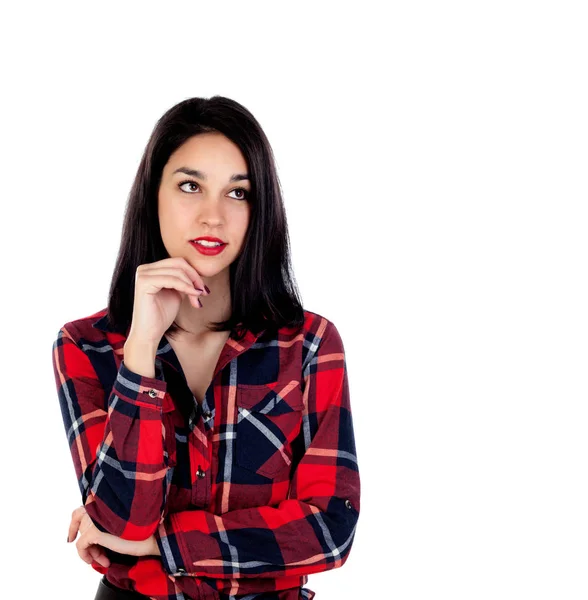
275,397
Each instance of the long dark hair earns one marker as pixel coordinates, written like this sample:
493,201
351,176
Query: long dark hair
263,288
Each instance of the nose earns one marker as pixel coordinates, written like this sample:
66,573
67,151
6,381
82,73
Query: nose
210,212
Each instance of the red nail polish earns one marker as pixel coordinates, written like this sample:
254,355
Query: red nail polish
207,290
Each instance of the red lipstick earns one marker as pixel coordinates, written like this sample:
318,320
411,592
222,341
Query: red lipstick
208,250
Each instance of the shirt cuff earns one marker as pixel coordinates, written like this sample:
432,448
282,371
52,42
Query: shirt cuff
169,548
138,389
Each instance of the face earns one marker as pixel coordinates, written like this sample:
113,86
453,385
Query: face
205,203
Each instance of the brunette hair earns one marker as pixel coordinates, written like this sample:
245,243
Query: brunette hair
263,288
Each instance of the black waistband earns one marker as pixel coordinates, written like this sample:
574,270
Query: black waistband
108,591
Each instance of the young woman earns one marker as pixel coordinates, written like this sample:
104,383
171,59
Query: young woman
207,413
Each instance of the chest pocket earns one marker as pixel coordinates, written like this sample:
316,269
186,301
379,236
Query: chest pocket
269,418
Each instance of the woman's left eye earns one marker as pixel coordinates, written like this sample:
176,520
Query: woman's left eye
245,192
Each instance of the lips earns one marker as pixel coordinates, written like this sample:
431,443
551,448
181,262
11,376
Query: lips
208,250
209,238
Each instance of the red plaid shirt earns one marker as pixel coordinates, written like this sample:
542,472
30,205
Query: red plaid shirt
246,494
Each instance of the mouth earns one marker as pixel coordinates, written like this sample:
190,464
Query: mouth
210,247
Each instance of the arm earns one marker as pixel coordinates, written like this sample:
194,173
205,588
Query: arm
118,444
314,528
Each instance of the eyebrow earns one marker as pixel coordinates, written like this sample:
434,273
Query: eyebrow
200,175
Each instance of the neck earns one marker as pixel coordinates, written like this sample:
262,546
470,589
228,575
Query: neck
215,307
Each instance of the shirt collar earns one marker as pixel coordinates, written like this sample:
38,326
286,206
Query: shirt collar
104,324
165,352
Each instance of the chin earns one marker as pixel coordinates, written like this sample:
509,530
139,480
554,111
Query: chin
206,268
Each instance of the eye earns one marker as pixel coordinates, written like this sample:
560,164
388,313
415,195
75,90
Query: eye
185,182
245,192
189,182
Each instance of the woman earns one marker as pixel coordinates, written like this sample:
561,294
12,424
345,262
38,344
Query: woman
207,413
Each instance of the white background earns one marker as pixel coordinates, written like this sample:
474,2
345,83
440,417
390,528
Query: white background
433,159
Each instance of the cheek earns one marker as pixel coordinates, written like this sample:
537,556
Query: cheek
241,228
245,218
173,226
166,229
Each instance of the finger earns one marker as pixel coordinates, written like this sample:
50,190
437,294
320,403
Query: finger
83,550
154,283
195,301
174,262
192,293
89,535
177,272
193,274
97,553
79,512
74,525
89,549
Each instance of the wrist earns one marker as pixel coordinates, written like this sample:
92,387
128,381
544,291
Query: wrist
154,550
134,343
139,356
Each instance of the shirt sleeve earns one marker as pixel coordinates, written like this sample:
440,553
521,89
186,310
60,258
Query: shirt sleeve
310,531
117,440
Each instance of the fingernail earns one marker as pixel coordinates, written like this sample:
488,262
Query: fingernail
68,539
200,303
196,287
207,290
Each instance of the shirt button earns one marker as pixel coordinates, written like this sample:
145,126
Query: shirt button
180,570
200,473
348,504
153,393
207,416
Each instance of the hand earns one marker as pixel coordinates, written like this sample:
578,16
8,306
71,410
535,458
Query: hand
92,541
159,289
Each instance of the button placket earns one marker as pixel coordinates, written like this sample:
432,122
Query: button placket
198,451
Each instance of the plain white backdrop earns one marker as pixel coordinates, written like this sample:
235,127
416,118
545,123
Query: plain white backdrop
433,161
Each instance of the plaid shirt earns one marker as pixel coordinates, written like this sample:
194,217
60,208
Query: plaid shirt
247,493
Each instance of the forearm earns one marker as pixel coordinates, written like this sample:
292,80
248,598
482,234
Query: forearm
153,548
120,450
130,478
139,356
293,539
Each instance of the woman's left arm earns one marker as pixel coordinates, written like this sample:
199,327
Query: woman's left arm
92,540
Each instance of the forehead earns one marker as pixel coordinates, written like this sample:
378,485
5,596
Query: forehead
213,154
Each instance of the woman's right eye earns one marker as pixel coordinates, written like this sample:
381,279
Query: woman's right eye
187,182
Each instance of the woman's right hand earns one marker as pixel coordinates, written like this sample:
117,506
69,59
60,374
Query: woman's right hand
159,289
